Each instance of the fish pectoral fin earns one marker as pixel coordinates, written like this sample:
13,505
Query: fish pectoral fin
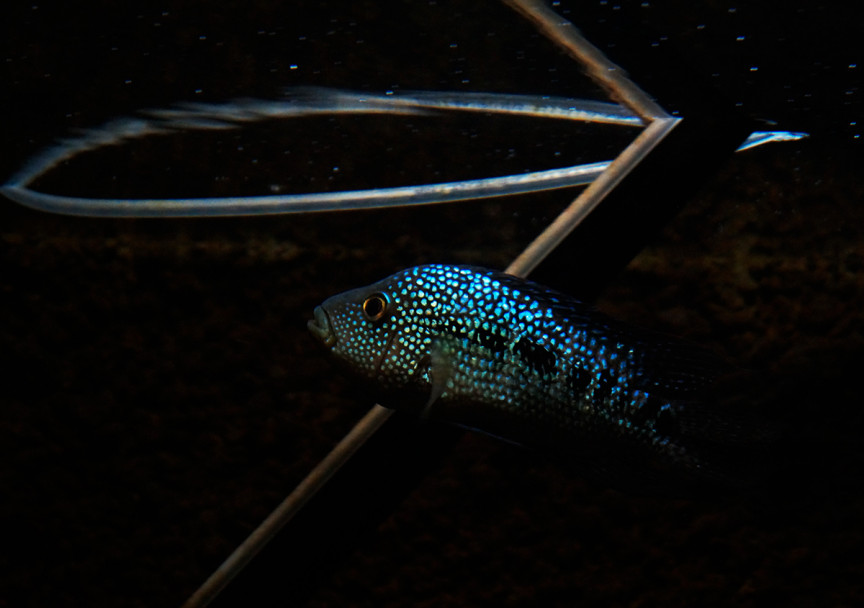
436,366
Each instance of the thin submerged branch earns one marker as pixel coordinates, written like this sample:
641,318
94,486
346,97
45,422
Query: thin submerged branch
281,515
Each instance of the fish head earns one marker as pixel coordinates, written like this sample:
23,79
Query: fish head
382,332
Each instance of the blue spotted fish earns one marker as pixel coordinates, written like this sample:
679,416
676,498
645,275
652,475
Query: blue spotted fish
489,351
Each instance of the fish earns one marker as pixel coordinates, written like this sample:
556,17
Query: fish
511,358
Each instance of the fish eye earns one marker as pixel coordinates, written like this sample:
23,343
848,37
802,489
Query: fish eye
375,306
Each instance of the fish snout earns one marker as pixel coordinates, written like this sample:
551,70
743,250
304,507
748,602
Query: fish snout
321,328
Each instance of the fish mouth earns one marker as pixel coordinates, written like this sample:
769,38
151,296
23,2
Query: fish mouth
321,328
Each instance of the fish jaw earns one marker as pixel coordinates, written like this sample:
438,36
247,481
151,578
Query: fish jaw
321,328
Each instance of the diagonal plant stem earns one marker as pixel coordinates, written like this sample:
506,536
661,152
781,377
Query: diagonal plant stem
603,72
281,515
658,126
587,201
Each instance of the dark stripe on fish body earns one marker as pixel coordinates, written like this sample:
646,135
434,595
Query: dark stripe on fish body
490,340
536,357
580,380
481,336
604,385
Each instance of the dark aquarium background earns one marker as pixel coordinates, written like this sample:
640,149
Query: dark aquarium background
160,394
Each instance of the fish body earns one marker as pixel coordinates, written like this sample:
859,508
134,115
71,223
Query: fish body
489,351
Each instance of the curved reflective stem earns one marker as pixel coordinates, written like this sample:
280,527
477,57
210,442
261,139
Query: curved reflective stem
310,102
